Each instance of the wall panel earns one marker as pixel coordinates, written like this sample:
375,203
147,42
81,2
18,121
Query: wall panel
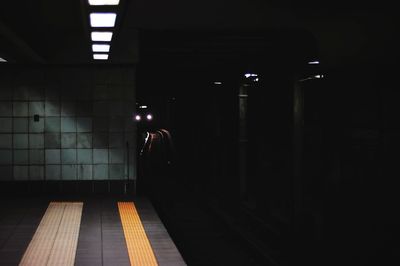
84,127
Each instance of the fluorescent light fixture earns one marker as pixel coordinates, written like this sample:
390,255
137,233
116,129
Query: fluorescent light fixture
2,60
313,77
248,75
313,63
103,19
100,56
143,107
101,48
103,2
101,36
217,82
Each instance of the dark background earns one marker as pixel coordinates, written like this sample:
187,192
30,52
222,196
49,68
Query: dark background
321,154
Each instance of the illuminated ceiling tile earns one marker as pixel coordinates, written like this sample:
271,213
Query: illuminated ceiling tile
100,56
103,2
103,19
101,48
102,36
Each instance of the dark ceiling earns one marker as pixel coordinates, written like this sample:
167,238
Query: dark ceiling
57,32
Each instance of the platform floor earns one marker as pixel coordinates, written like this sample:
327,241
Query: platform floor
111,232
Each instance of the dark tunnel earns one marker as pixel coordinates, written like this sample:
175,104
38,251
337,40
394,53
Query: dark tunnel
242,133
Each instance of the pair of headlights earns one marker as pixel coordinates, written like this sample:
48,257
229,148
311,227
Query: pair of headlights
139,117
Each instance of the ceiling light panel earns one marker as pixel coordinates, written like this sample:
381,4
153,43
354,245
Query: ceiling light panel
101,48
103,19
102,36
100,56
103,2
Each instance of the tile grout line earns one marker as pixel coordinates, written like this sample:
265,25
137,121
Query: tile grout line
15,228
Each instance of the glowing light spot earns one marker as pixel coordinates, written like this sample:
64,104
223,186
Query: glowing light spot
100,56
103,2
103,19
101,48
101,36
248,75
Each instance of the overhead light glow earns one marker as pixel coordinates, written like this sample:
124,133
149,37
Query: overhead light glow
248,75
143,107
102,36
103,19
100,56
101,48
103,2
2,60
313,77
217,82
149,117
138,118
313,63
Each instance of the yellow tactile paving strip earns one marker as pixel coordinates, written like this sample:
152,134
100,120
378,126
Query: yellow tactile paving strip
56,238
139,248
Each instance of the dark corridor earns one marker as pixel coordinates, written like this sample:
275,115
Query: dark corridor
242,133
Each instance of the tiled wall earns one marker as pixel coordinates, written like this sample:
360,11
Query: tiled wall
85,130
